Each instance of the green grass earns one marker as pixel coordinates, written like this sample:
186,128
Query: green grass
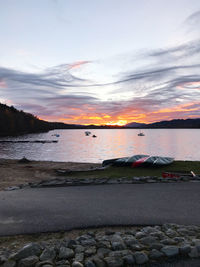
117,172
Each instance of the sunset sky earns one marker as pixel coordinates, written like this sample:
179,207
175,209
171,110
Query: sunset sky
101,62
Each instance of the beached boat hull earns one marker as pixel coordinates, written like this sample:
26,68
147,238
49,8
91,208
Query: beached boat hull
138,161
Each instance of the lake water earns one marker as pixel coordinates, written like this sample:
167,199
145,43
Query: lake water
74,146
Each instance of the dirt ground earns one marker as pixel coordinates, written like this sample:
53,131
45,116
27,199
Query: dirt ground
13,173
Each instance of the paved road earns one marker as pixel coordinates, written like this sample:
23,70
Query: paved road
64,208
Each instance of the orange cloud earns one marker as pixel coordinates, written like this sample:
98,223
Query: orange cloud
78,64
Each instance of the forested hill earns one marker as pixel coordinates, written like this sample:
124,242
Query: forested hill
13,122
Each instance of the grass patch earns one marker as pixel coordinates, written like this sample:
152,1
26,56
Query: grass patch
117,172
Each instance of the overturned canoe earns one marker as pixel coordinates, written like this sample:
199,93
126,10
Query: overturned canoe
139,160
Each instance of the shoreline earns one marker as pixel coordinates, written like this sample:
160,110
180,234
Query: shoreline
14,173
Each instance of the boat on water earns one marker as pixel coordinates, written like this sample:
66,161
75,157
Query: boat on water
141,134
87,133
139,160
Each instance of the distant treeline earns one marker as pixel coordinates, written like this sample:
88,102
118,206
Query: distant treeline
15,122
179,123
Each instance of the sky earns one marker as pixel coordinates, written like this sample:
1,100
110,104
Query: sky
101,62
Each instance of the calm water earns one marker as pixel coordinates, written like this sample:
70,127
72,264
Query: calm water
73,145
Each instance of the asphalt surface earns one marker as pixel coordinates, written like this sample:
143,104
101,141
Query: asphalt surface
65,208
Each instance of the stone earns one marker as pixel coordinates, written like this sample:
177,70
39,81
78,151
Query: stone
170,251
140,257
32,249
168,241
102,252
79,249
131,241
119,253
171,233
140,235
65,253
77,264
155,254
48,254
185,249
114,262
98,262
148,240
118,245
88,242
79,257
129,260
89,263
103,244
194,253
44,263
156,245
28,262
90,251
9,263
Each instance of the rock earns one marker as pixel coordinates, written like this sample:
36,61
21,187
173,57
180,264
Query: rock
3,259
102,252
98,262
71,243
118,245
89,263
32,249
171,233
79,249
168,241
48,254
114,262
148,240
140,257
44,263
185,249
103,244
156,245
194,253
77,264
118,254
79,257
9,263
140,235
170,251
65,253
28,262
90,251
129,260
88,242
155,254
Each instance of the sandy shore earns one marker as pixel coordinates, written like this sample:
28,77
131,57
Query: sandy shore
13,173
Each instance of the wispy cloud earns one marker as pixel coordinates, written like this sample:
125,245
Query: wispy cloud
164,86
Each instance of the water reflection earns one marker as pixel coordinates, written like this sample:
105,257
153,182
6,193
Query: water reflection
74,146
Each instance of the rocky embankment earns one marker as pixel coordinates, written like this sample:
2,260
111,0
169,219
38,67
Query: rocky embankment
136,246
99,181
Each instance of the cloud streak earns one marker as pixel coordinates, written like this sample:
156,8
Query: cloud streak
165,86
